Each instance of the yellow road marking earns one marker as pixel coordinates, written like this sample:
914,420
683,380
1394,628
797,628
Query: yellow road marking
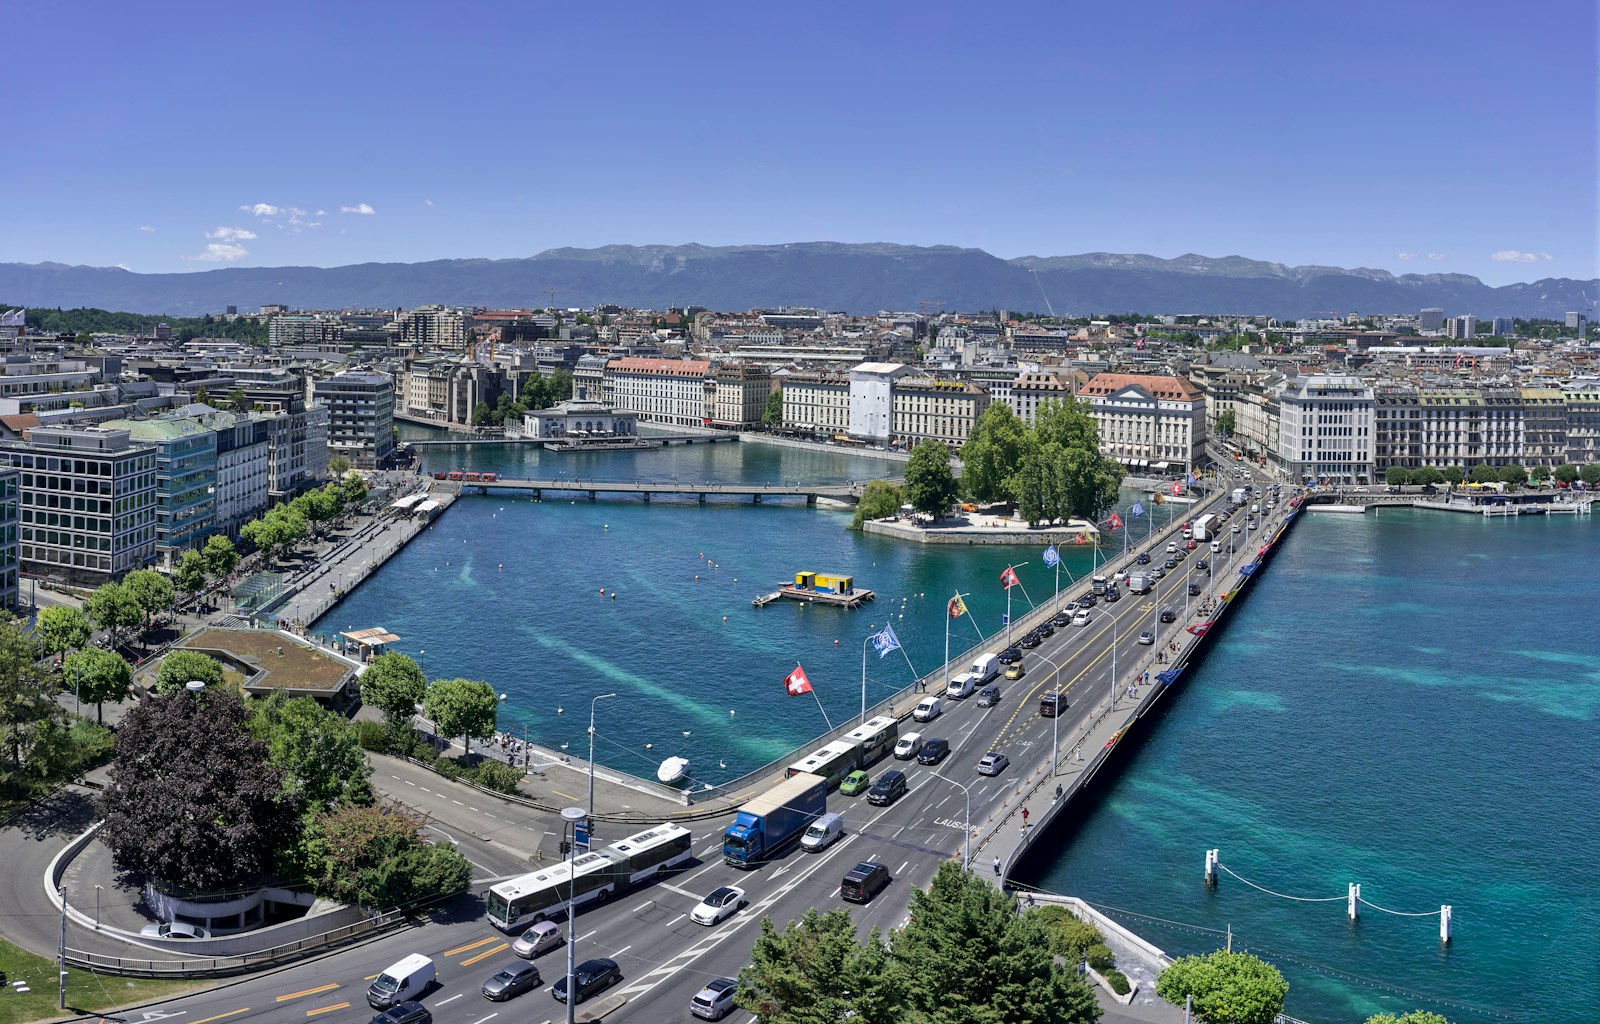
326,1009
221,1016
569,796
470,945
485,954
309,992
369,977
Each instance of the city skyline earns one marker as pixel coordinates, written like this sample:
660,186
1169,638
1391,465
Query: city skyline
1406,139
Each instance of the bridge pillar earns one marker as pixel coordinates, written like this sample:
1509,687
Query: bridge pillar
755,499
811,499
702,497
537,493
647,497
591,495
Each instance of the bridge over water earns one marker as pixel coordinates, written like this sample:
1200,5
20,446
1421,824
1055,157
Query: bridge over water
701,489
664,439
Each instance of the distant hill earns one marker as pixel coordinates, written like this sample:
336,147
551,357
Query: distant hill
830,275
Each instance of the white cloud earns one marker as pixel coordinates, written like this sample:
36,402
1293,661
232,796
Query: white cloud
320,213
361,208
231,234
147,229
295,211
427,202
1438,255
221,252
1405,255
1518,256
314,224
262,209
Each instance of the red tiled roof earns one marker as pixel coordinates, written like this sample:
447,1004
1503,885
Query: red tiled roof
662,367
1177,389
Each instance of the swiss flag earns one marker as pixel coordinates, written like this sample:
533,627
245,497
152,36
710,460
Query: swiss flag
796,682
1116,521
1177,488
1008,579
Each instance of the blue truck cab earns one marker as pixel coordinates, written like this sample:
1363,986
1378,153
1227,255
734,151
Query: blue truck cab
766,825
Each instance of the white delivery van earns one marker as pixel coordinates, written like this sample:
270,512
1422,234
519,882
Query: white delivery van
407,979
961,686
909,746
927,709
984,668
1216,546
822,832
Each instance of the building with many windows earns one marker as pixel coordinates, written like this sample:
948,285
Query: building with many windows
1148,422
360,406
671,392
88,502
927,409
817,403
186,479
1325,429
736,396
244,470
1031,390
10,534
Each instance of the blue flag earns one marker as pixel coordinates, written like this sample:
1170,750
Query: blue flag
1136,510
1051,555
885,642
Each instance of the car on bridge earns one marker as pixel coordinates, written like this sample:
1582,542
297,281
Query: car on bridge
1143,559
993,763
715,1001
1010,656
1062,618
591,977
1147,637
720,903
539,938
1113,596
511,980
933,751
856,783
1029,641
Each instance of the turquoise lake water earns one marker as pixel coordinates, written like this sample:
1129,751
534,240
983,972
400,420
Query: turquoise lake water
1407,702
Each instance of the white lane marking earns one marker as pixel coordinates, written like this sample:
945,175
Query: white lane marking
452,999
491,1016
681,892
408,782
675,920
458,803
584,937
623,950
902,868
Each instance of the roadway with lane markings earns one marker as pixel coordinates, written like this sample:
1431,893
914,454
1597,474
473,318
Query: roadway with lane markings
665,957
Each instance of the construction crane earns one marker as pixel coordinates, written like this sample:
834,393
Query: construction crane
553,292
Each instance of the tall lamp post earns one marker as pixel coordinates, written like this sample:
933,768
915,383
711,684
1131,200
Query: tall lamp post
570,816
592,703
966,842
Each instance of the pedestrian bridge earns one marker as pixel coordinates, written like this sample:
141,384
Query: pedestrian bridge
701,489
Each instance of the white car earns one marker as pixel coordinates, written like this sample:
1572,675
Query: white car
721,902
174,930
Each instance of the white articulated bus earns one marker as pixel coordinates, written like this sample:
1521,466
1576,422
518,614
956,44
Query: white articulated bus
595,876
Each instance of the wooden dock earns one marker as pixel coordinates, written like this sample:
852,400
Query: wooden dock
854,599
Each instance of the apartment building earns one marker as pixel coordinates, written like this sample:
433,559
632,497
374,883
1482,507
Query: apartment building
1325,429
1148,421
88,502
926,409
244,466
1470,427
817,403
1544,427
360,406
671,392
1582,398
433,327
736,396
297,434
1031,390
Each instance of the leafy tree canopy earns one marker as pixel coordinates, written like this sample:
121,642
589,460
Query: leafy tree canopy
1414,1017
395,685
772,416
114,608
930,485
98,676
879,499
317,750
814,972
1234,987
194,800
152,590
1590,474
181,666
991,454
61,628
462,707
1454,475
1397,476
30,719
1565,473
189,572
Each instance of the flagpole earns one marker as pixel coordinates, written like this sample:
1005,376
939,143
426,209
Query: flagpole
822,709
863,682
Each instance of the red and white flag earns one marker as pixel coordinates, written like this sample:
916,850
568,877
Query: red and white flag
1008,579
1115,521
1177,488
796,683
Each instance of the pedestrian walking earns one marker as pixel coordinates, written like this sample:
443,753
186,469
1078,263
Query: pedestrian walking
997,867
1058,791
1024,817
1080,751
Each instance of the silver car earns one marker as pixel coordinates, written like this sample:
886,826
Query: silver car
539,938
993,763
511,980
715,1001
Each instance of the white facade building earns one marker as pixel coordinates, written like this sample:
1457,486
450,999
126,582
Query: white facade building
1148,422
872,400
666,391
579,416
1325,429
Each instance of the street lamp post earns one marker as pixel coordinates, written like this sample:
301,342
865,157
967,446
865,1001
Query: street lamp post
864,641
966,842
570,816
97,889
592,703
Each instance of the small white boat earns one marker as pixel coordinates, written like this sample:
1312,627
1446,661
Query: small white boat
673,769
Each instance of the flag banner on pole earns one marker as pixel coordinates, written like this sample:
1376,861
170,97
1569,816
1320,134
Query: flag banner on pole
15,318
885,642
1082,538
1191,480
1246,570
1005,618
1177,488
1115,521
1200,630
1136,510
1008,579
1166,678
1052,556
958,607
796,683
1158,499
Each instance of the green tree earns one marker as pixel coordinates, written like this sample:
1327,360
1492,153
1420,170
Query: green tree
1565,473
112,607
930,485
98,676
1068,423
1414,1017
1087,482
1539,474
1069,935
238,401
966,956
1514,475
773,415
152,590
1397,476
180,666
879,500
992,453
189,572
395,685
462,707
61,628
338,466
317,750
815,972
352,489
1590,474
193,799
1482,474
1235,987
221,557
1428,475
1226,418
1453,475
482,415
30,719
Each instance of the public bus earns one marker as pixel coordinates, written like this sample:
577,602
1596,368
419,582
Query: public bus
592,877
875,738
832,762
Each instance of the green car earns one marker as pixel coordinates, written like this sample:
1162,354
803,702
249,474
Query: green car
855,783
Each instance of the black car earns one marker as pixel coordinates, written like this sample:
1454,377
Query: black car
1113,595
1168,615
590,977
1087,601
1062,619
864,881
1030,641
1051,705
1010,656
1202,564
1143,559
1044,629
891,786
1194,590
408,1012
933,751
1170,564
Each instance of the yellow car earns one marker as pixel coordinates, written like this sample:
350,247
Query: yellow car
1015,671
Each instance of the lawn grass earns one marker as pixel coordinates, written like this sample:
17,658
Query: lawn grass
85,991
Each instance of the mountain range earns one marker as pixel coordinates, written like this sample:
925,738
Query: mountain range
857,278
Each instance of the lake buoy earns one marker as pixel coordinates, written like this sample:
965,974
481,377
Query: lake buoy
836,643
724,618
608,526
730,712
502,567
697,577
613,595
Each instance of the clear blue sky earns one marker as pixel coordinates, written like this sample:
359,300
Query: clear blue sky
1417,136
